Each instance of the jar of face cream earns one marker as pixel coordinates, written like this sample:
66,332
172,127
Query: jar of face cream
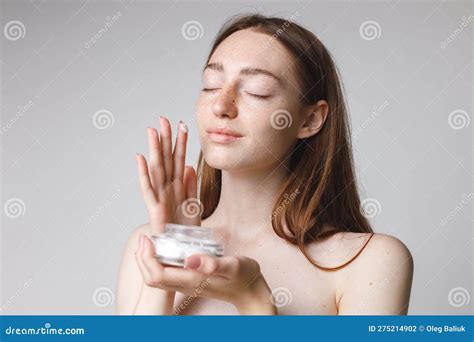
180,241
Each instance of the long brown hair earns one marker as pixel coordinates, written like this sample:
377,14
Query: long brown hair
320,196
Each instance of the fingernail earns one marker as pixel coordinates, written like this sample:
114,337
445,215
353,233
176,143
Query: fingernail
183,127
193,262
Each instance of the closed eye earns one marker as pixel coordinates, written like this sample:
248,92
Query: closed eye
259,96
262,97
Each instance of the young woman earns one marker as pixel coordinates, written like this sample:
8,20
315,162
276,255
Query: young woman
276,181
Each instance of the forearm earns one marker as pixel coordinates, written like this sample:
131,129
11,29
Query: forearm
259,300
153,301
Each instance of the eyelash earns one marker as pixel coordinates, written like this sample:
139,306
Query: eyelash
261,97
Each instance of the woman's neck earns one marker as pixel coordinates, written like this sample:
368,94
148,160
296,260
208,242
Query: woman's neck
247,199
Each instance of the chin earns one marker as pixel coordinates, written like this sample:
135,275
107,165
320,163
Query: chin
221,160
224,159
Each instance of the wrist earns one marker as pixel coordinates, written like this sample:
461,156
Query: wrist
152,293
257,300
154,301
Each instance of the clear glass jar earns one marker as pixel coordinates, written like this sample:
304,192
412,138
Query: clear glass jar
180,241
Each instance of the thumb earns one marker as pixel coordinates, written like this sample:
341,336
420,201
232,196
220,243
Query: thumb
208,264
148,247
203,263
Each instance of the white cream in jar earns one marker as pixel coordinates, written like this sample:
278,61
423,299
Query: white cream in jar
180,241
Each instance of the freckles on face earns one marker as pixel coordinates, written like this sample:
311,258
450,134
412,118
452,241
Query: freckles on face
238,94
273,134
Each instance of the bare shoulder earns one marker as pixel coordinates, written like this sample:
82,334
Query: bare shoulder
364,248
142,229
338,248
379,280
388,248
129,281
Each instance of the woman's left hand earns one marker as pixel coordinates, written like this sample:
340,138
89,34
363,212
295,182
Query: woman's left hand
234,279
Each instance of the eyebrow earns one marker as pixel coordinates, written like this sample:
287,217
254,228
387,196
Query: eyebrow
245,71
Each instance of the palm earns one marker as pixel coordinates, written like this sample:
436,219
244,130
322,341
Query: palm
175,208
168,187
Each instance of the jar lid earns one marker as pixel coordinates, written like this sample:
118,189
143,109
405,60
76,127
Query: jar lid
188,231
180,241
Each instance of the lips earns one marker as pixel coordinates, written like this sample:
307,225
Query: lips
223,135
225,131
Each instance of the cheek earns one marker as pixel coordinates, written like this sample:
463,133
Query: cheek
271,140
201,114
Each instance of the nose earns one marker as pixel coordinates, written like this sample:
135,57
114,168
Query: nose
224,105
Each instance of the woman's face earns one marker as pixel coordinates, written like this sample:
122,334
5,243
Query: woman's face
249,87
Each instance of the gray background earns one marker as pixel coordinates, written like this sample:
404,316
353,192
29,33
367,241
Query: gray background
70,194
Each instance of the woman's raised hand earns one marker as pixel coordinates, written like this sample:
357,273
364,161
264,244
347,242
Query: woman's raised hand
169,187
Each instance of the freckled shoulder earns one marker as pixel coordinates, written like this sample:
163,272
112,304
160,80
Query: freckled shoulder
386,251
379,280
359,249
340,249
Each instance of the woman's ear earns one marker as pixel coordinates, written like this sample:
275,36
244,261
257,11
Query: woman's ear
314,118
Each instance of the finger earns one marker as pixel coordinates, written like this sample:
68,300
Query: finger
165,139
157,174
211,265
167,277
149,195
179,153
145,184
139,259
152,277
190,182
150,263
